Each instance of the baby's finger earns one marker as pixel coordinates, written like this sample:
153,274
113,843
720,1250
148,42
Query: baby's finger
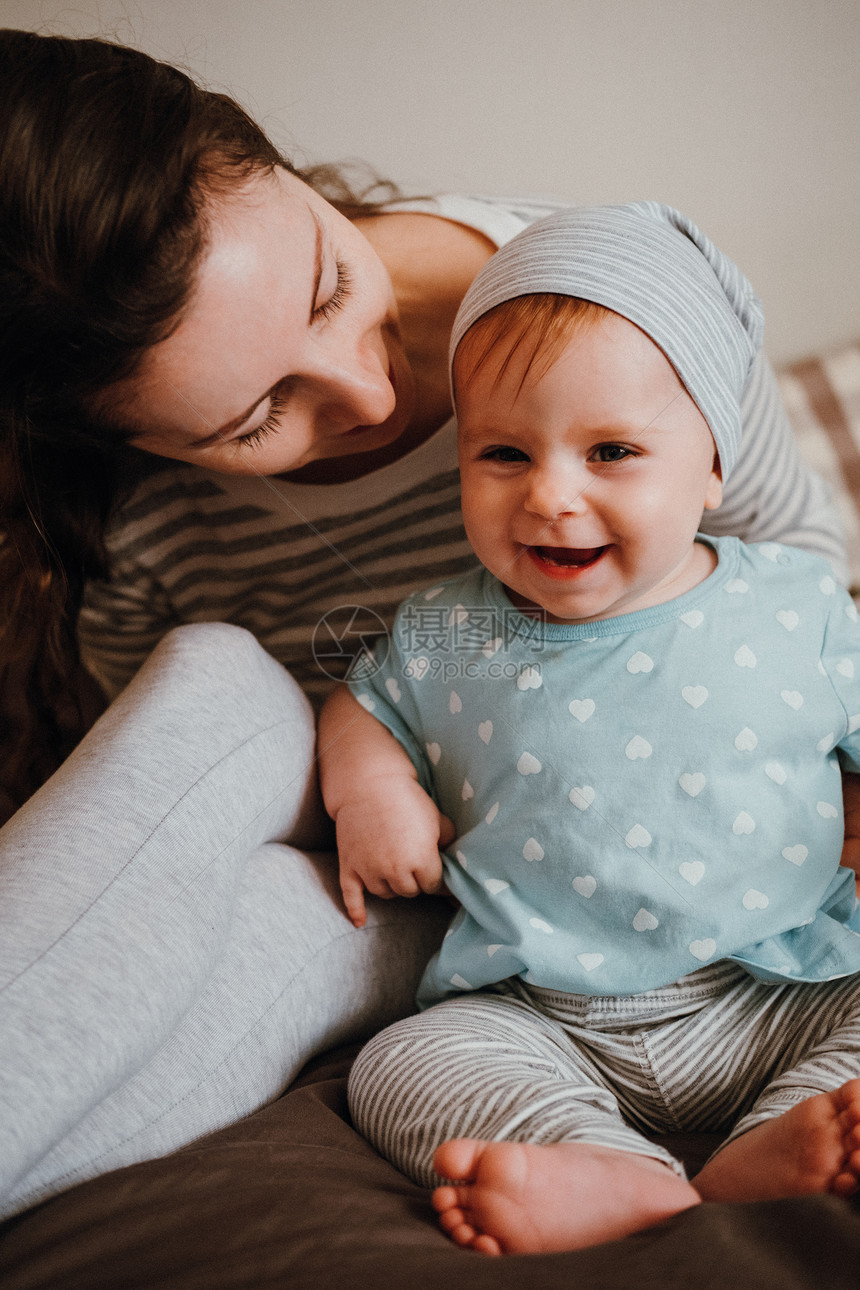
447,832
430,882
404,884
353,897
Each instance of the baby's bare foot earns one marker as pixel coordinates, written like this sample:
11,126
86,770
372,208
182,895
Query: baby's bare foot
810,1149
516,1198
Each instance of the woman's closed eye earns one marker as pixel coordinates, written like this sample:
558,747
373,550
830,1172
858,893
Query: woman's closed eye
340,295
270,425
328,308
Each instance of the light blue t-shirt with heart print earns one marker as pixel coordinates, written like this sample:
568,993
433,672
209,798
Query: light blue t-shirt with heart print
639,796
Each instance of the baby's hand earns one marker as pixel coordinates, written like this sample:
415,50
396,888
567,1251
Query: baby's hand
388,844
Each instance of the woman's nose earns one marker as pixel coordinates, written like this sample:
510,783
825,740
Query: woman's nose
355,387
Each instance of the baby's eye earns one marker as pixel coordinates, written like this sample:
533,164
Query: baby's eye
504,453
607,452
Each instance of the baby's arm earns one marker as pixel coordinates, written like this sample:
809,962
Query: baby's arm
388,829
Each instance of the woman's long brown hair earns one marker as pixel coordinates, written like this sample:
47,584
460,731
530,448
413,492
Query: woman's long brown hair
106,159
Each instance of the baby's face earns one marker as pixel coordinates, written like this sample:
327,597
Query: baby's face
583,488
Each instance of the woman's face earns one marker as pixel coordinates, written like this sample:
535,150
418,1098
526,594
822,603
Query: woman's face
289,349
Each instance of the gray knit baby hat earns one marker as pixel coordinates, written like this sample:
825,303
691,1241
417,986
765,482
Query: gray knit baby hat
653,266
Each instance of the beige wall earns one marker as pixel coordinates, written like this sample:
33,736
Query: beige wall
744,113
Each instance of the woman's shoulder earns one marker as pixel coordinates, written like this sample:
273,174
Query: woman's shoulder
495,218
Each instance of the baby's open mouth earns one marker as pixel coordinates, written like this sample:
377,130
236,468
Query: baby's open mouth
568,557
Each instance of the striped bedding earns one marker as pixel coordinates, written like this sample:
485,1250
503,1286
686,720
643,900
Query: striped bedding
822,397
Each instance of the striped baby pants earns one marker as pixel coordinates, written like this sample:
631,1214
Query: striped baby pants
716,1051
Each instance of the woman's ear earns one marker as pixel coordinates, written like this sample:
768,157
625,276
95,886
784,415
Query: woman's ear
714,491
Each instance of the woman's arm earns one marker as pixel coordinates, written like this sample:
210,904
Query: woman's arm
388,829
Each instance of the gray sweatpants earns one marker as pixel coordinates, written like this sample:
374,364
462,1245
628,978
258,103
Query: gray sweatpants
716,1051
166,966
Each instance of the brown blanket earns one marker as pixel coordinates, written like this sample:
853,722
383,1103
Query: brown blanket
293,1199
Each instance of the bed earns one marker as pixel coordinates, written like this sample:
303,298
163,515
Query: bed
291,1197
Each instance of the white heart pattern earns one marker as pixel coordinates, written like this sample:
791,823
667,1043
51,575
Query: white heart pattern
528,765
638,836
585,885
639,662
744,657
692,783
827,586
703,950
489,648
793,698
455,703
755,899
692,871
366,702
460,982
746,740
393,689
529,679
492,813
590,961
787,618
825,744
533,850
434,752
458,615
695,695
467,791
582,709
493,949
644,921
744,823
582,797
433,593
774,771
737,587
796,854
540,926
496,885
462,859
638,747
694,618
826,810
771,551
485,731
845,667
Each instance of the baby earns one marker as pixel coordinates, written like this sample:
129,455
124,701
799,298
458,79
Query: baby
627,738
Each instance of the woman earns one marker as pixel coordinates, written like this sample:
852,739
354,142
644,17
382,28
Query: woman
223,398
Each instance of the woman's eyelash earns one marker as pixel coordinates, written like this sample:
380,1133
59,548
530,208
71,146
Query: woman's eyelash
339,296
271,425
